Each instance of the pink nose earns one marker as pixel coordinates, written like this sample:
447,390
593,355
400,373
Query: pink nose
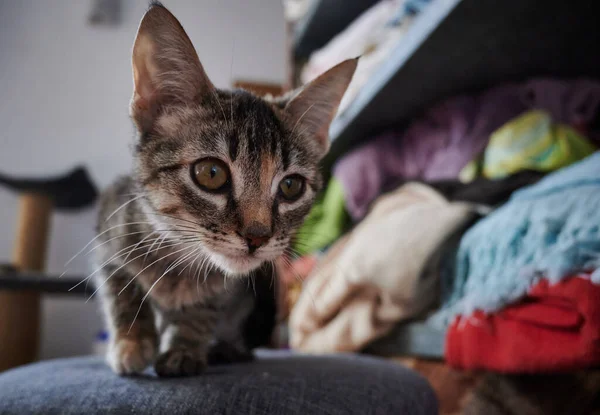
257,242
256,235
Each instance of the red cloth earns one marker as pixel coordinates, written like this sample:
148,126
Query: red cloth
555,328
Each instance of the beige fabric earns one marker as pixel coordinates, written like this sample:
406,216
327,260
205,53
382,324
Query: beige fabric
378,275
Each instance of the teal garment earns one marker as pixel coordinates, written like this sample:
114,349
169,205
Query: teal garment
326,222
549,230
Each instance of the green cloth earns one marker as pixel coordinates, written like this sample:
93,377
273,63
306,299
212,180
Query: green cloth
326,222
529,142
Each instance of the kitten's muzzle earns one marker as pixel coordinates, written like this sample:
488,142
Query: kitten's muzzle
256,235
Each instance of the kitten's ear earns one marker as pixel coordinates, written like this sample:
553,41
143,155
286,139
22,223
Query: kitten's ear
166,68
313,108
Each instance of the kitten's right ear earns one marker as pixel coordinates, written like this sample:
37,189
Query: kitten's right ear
312,108
166,68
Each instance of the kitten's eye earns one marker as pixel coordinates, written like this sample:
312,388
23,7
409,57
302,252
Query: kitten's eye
210,174
291,188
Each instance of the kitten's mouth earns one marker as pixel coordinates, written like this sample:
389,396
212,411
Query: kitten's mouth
237,265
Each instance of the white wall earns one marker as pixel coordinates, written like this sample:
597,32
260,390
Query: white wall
64,91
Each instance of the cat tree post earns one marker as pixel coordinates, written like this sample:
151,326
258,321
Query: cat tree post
20,309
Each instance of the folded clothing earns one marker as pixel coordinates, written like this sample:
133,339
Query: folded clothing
550,229
531,141
556,327
372,36
379,274
439,144
355,40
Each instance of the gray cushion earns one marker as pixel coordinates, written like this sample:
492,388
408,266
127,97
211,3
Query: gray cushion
277,383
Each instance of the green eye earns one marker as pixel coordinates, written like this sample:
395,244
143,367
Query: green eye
291,188
210,174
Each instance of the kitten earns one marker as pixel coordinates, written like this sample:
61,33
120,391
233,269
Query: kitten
222,180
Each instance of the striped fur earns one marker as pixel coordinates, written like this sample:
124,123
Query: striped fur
175,267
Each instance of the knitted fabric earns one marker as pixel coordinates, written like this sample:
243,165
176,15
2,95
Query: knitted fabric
550,230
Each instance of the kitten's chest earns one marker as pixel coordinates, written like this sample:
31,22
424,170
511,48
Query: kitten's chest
174,287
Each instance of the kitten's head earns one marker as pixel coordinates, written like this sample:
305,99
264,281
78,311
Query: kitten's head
230,171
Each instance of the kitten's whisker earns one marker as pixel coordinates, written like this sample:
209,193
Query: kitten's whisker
136,246
162,239
214,92
211,266
184,238
122,206
252,278
199,269
291,267
179,261
149,265
208,268
197,275
142,303
199,251
273,273
113,257
300,280
146,296
301,133
230,77
112,239
175,218
300,119
225,282
181,227
105,263
99,235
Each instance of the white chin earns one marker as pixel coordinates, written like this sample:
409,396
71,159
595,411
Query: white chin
236,266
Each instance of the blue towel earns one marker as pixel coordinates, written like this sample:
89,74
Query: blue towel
548,230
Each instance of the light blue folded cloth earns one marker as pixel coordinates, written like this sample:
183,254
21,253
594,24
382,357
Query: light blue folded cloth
548,230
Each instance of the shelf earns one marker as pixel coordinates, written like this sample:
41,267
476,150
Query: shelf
464,46
324,20
45,283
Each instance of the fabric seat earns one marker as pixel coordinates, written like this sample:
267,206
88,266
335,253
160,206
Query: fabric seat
276,383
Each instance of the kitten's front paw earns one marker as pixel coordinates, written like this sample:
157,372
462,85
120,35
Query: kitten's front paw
127,356
179,362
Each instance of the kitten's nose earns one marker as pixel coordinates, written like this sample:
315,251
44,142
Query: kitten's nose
256,235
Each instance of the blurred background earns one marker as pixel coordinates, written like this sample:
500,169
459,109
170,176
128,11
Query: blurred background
462,189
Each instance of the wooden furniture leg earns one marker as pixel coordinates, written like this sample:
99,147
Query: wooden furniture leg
20,310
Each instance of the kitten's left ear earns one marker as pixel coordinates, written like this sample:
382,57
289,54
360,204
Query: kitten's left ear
166,68
313,108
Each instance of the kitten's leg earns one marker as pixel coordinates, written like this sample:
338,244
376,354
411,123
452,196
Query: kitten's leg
133,344
186,337
247,321
230,346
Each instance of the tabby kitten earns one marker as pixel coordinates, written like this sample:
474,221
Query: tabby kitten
222,179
